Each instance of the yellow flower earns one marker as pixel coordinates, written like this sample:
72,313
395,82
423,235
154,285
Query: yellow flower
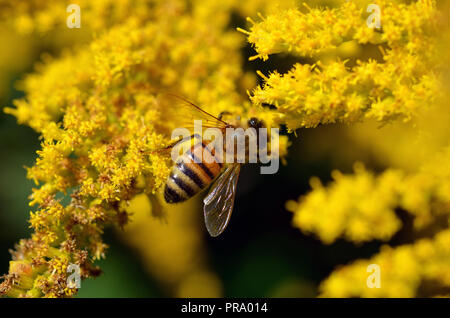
352,73
97,110
359,208
402,271
362,206
395,86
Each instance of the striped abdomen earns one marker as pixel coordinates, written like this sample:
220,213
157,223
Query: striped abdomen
189,176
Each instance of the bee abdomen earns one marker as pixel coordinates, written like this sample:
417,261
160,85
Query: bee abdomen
182,184
189,176
172,196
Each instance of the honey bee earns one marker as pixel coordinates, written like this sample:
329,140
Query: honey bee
190,175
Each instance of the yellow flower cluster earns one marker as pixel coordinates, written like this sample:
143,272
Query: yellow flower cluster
419,269
361,207
393,85
351,72
97,110
46,16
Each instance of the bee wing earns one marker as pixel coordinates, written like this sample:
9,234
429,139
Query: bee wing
183,112
219,202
